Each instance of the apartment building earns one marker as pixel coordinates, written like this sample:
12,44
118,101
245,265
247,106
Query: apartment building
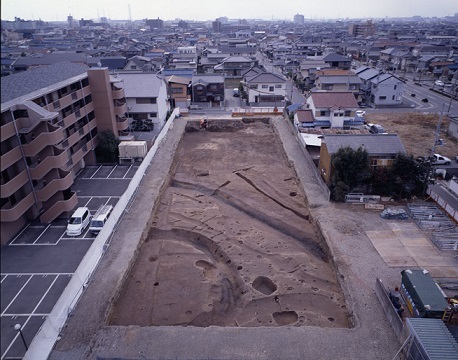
50,117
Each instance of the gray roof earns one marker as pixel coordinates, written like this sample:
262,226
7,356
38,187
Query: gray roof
51,58
339,79
368,74
26,82
266,77
207,79
374,144
137,85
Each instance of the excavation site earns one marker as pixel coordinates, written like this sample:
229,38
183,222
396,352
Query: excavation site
231,241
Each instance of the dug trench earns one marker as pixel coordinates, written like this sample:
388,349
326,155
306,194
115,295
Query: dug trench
232,242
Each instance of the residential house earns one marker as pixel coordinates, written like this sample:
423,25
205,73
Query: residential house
308,70
207,88
337,61
386,89
140,63
304,119
265,87
344,80
178,91
233,66
146,96
50,118
334,110
381,148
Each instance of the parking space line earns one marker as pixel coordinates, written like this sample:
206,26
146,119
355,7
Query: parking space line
37,274
20,290
12,241
108,200
30,315
90,198
112,171
96,171
41,234
127,171
43,244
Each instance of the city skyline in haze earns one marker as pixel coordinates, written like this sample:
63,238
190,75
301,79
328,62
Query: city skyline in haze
57,10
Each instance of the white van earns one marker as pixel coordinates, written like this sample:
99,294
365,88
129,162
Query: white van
79,221
100,218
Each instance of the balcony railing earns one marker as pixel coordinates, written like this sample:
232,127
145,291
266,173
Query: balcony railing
15,212
14,184
54,186
7,130
43,140
48,163
8,159
58,208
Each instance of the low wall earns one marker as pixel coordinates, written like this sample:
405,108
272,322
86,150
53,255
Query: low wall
390,311
44,340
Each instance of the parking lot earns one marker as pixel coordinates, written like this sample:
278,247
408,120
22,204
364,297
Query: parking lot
38,263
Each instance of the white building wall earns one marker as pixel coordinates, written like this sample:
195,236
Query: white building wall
391,89
260,91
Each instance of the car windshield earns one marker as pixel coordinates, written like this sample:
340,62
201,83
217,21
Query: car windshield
97,223
74,220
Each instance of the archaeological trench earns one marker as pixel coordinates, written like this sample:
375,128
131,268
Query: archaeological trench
232,243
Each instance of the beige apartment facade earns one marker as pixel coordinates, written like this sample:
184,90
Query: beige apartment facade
50,118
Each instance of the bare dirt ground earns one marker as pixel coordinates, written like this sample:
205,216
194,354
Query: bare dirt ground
232,243
417,132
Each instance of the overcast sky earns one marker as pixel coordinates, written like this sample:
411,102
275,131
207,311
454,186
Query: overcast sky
58,10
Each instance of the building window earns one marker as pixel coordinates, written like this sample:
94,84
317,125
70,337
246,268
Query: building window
271,88
393,97
145,100
177,90
382,98
265,86
347,113
254,86
278,86
153,115
322,113
395,86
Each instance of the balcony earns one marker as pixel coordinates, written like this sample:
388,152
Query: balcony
55,185
13,213
14,184
43,140
8,159
122,123
118,94
120,108
77,135
50,162
7,130
58,208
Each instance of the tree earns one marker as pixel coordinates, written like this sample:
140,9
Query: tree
107,150
407,176
351,167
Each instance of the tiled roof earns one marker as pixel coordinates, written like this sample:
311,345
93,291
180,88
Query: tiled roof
374,144
266,78
26,82
333,99
304,115
140,84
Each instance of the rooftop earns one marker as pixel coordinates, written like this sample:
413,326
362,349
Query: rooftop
374,144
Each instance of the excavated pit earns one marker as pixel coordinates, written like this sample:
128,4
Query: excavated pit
232,242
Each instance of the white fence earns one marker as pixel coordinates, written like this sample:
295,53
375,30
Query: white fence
44,340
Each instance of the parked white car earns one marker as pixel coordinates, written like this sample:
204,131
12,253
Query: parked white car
360,113
438,159
439,83
78,221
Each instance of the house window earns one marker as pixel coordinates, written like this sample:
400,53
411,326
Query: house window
278,86
153,115
382,98
347,113
271,88
265,86
395,86
393,97
177,90
253,86
145,100
322,113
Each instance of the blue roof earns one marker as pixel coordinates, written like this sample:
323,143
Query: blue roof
294,107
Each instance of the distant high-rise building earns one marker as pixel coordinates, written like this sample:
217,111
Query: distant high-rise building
70,21
364,29
298,19
217,25
183,24
155,23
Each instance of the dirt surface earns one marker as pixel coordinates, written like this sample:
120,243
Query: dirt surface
232,243
417,132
